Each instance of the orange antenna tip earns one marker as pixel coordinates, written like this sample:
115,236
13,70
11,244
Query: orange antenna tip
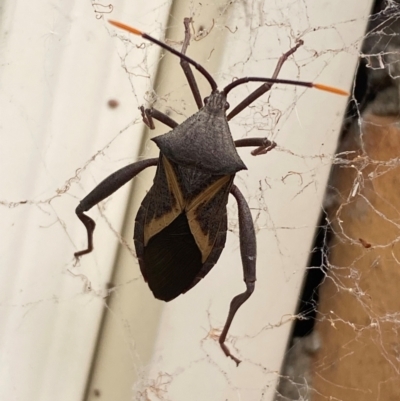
126,27
331,89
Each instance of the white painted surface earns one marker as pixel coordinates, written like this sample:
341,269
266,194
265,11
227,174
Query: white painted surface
58,140
60,66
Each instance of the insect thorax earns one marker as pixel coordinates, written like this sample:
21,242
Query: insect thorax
203,142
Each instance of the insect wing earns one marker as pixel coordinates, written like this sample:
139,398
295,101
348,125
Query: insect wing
180,221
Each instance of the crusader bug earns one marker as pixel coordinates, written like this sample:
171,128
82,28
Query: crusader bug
180,228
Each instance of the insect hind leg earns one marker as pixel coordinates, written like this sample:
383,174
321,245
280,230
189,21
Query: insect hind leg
248,251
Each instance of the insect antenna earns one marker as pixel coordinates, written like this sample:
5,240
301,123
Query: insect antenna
326,88
198,67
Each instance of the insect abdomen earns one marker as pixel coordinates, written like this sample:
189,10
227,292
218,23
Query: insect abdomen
172,260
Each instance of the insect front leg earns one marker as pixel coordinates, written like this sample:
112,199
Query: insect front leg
248,251
103,191
186,66
149,114
264,87
264,145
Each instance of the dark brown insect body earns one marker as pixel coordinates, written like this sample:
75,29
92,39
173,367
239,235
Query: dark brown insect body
180,228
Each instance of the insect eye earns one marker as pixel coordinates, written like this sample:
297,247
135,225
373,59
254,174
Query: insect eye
206,99
227,105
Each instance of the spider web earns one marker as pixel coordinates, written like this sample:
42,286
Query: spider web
349,301
352,350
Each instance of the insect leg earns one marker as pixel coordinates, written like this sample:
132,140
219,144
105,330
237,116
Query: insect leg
264,87
149,114
248,251
186,66
264,145
104,190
